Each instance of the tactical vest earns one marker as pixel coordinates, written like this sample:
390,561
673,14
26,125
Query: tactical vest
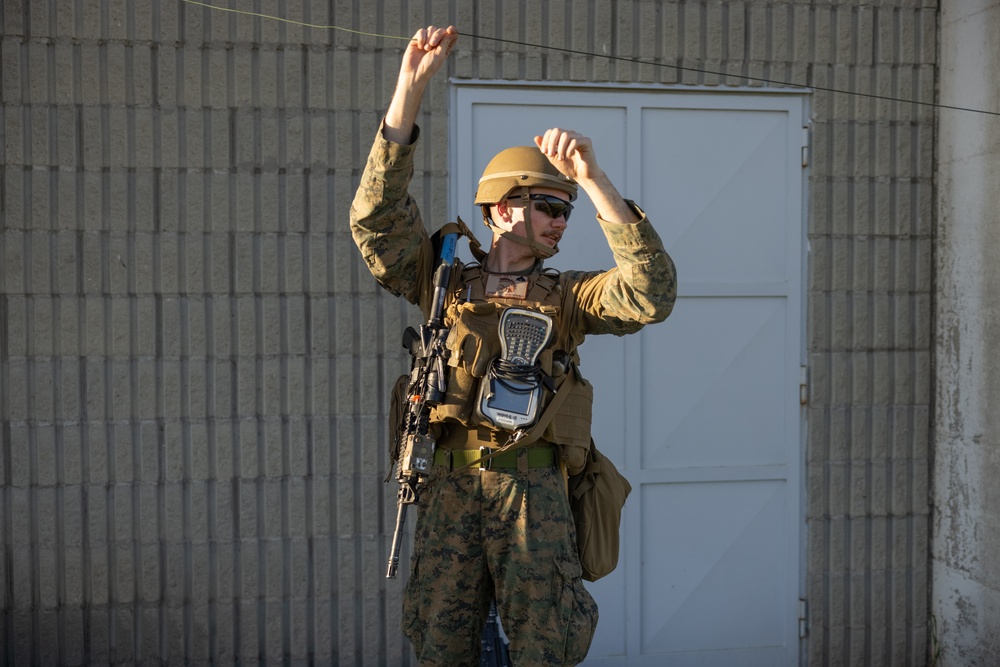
473,319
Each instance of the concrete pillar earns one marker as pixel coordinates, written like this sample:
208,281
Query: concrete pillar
966,496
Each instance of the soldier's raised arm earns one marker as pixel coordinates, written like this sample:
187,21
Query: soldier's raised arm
573,155
424,56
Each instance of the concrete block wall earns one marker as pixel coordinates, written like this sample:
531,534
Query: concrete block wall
195,364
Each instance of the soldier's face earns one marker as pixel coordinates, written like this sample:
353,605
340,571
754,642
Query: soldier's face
547,229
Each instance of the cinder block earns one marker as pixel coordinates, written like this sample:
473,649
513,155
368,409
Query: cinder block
269,266
322,455
839,329
296,211
72,590
12,52
299,518
245,278
368,320
881,426
13,245
294,385
72,474
224,400
250,580
271,385
201,635
226,465
40,401
199,454
95,502
922,369
883,387
125,452
37,67
246,387
195,311
66,154
273,451
839,498
219,271
902,332
148,449
99,436
245,448
819,327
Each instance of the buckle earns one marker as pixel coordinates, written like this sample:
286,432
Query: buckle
488,463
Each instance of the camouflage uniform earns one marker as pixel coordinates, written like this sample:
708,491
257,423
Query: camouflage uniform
509,533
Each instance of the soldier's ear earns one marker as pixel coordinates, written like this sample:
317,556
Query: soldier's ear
504,210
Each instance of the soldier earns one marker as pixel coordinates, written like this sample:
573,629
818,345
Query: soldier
505,532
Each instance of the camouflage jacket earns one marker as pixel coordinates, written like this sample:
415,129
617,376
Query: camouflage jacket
388,229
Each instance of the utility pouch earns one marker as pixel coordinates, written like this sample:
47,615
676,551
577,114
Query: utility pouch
473,338
473,341
570,427
596,498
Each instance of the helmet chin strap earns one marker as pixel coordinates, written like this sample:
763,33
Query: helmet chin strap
539,250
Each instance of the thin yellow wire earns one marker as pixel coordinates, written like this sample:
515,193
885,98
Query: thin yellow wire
293,21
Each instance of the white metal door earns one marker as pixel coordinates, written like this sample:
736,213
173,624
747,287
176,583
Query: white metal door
702,412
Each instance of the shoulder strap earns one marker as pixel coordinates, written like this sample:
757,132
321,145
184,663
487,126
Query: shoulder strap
544,284
459,227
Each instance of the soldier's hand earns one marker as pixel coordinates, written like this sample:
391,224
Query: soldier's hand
426,53
570,152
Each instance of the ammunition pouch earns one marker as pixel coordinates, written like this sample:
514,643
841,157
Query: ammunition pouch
570,426
473,341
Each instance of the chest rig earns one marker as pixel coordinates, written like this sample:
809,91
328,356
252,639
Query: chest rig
472,315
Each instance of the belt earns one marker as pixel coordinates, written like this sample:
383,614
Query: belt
537,457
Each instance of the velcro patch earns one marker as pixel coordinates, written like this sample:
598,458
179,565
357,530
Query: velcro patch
506,286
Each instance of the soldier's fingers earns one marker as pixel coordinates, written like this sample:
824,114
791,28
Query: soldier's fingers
433,37
425,38
448,39
550,141
419,38
571,147
444,38
563,145
430,38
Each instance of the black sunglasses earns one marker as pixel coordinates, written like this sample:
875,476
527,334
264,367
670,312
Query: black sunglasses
551,206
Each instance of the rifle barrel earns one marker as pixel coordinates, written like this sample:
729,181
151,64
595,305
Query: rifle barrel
396,541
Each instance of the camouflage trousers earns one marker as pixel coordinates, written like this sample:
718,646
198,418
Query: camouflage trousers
502,533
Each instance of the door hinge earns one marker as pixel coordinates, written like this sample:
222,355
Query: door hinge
803,385
803,619
805,146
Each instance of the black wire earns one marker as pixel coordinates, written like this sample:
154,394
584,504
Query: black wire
637,61
520,378
640,61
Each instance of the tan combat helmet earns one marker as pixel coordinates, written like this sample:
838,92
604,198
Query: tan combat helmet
520,167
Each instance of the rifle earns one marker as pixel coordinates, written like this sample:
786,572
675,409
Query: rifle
493,647
425,389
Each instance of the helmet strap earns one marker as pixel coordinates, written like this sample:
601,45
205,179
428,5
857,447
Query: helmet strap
539,250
